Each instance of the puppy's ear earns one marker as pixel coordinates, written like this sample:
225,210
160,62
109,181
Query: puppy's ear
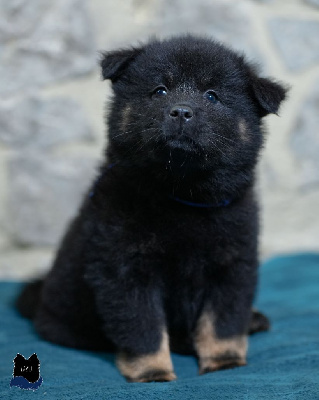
267,93
113,63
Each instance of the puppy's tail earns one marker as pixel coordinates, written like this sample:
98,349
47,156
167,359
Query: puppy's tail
29,298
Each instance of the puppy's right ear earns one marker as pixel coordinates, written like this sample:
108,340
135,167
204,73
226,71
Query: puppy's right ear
114,63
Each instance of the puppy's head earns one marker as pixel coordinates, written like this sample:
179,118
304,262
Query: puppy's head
187,102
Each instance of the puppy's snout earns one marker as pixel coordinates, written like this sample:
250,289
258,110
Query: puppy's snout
181,112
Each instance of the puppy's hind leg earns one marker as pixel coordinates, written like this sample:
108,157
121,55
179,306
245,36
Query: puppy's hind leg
259,322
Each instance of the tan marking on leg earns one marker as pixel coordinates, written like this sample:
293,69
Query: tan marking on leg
243,130
125,117
149,367
215,353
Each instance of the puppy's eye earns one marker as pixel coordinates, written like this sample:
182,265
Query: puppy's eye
211,96
160,91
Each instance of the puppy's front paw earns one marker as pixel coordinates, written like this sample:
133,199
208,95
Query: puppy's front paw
152,367
147,368
154,376
217,353
224,361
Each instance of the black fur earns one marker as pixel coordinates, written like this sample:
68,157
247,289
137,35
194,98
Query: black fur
136,259
258,323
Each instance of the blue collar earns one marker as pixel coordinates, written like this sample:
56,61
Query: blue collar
223,203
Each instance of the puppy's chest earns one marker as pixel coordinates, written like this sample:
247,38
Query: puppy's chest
194,232
189,241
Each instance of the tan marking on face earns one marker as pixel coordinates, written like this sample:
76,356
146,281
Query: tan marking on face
243,130
125,117
170,77
149,367
215,353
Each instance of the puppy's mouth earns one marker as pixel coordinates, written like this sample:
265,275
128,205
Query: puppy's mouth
182,142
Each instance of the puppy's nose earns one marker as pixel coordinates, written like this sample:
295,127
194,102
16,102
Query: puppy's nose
181,112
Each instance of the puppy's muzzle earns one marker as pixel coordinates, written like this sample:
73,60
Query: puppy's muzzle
181,113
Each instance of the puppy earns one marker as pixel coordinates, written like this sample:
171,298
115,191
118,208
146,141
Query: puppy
163,253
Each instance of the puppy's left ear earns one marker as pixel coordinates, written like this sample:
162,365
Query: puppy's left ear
114,63
267,93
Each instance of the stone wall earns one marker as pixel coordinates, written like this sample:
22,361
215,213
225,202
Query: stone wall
52,101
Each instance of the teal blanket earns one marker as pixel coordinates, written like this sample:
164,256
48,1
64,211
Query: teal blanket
282,364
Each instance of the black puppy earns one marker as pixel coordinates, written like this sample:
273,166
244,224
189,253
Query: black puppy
163,254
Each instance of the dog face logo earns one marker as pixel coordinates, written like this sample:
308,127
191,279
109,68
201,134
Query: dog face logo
26,372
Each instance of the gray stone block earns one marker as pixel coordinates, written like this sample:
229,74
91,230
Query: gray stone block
304,140
44,194
54,42
225,20
297,41
312,2
39,123
19,17
25,264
